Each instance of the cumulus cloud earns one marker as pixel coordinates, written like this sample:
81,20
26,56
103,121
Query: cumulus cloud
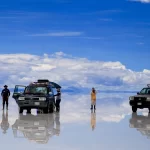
69,71
118,108
75,108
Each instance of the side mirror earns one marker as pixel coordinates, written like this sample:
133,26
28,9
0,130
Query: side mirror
138,93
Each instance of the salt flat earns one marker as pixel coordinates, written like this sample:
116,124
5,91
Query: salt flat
111,127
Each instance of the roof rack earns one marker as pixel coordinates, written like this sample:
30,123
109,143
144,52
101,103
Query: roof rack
42,80
148,85
39,83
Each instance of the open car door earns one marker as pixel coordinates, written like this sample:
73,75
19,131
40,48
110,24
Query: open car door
55,85
19,89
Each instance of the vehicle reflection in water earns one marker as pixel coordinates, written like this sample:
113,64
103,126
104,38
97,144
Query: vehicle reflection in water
38,128
93,120
5,123
141,123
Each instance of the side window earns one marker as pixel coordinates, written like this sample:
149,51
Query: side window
19,89
143,91
148,91
50,91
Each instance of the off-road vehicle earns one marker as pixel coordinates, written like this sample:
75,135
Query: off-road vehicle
141,100
37,95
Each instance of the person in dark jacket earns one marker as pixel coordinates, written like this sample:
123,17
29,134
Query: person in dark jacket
5,96
58,100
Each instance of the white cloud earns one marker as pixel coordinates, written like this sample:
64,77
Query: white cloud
59,34
146,71
142,1
69,71
76,109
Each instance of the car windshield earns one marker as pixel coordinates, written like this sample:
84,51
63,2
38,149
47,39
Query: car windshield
145,91
36,90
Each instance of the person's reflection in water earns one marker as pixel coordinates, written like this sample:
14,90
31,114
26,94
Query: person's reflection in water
57,124
93,120
5,123
141,123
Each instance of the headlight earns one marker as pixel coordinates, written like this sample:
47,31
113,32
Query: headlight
42,99
21,98
148,98
131,98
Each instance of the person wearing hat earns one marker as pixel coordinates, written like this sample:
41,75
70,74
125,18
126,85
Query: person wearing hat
58,100
5,96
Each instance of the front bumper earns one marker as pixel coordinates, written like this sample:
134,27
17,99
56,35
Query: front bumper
33,104
140,104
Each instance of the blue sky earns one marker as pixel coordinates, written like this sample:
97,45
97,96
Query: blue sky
115,30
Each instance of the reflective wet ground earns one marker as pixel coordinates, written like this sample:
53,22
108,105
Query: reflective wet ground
111,127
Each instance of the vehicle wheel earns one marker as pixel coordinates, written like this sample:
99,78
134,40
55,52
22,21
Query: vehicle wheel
134,109
28,111
20,110
38,111
45,110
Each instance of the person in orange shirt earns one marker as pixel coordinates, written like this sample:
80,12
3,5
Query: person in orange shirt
93,99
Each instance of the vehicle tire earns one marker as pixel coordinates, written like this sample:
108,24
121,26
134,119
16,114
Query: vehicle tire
45,110
134,109
38,111
28,111
20,110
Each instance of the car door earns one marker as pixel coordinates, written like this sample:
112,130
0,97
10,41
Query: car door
19,89
55,85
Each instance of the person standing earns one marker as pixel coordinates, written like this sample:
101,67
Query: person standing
93,99
5,96
58,100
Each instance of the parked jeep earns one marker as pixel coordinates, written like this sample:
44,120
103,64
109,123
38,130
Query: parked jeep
37,95
141,100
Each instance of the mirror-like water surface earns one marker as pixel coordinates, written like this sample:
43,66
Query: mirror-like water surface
75,127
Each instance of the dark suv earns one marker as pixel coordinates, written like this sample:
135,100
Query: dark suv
37,95
141,100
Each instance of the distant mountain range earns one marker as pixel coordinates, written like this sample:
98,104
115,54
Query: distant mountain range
86,90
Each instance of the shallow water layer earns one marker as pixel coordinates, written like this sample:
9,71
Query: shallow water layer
111,126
